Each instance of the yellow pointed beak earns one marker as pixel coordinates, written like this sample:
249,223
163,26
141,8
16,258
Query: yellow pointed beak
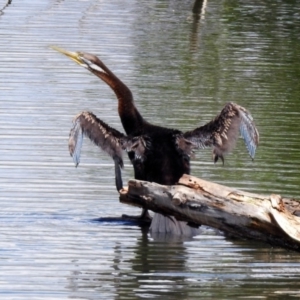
72,55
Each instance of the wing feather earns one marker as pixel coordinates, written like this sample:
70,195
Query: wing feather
139,145
248,131
222,132
102,135
75,142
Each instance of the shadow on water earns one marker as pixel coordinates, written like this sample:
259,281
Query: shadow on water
122,221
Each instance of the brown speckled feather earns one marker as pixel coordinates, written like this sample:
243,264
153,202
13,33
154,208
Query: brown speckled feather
223,131
106,138
102,135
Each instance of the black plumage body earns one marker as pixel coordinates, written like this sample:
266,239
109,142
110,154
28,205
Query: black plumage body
164,162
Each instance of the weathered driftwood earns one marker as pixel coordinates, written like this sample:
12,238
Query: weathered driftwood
272,219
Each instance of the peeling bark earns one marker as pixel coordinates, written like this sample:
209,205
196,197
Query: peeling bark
269,218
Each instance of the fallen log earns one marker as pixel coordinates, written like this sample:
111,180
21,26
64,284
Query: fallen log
271,219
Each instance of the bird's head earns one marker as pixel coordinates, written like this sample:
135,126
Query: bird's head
86,60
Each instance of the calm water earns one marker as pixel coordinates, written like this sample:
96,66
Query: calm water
182,68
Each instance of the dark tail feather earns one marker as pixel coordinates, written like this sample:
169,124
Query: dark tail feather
118,175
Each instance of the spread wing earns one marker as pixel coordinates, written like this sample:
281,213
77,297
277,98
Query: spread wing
106,138
222,132
102,135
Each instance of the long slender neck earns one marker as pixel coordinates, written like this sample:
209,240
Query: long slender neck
131,119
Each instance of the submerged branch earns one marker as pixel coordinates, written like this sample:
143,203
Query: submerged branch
7,4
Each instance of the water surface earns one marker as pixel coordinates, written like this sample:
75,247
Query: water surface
182,68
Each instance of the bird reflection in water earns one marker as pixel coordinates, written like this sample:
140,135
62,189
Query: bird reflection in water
131,270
